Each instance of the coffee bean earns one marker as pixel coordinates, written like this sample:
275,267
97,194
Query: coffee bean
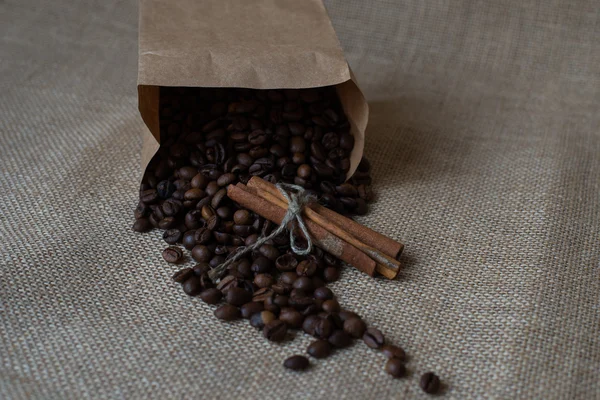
331,306
192,286
319,349
296,363
306,268
261,264
172,236
263,280
275,330
309,324
331,274
288,278
260,319
269,251
227,283
142,225
355,327
172,254
391,351
238,296
323,328
346,315
227,312
202,235
286,262
303,283
211,296
251,308
291,317
149,196
201,253
201,269
165,189
242,217
430,383
373,338
395,367
262,294
183,275
323,293
189,240
340,339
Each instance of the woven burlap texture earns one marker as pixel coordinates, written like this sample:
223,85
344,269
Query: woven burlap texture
485,142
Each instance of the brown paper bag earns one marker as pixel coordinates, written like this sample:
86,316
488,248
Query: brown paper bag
258,44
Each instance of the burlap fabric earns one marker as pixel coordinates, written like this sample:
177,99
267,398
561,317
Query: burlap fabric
485,143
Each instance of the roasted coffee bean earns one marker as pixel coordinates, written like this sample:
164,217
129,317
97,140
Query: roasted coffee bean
172,254
194,220
309,323
395,367
192,286
238,296
251,308
269,251
227,282
264,280
323,293
242,217
286,262
142,225
340,339
149,196
262,318
227,312
199,181
331,306
201,269
355,327
346,315
331,274
201,253
172,236
323,328
188,239
211,296
430,383
216,261
373,338
262,294
165,189
296,363
275,330
183,275
291,317
306,268
281,300
212,188
391,351
202,235
303,283
281,288
223,212
271,305
141,211
334,318
288,278
319,349
261,264
226,179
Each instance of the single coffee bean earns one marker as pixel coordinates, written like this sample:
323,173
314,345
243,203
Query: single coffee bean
331,274
227,312
238,296
202,235
281,301
172,236
149,196
201,269
192,286
262,294
291,317
323,293
264,280
189,240
296,363
226,179
275,330
288,278
286,262
211,296
281,288
319,349
261,264
391,351
242,217
323,328
183,275
251,308
340,339
167,223
346,315
172,254
228,282
355,327
142,225
430,383
395,367
331,306
199,181
373,338
303,283
201,253
309,323
269,251
271,305
306,268
260,319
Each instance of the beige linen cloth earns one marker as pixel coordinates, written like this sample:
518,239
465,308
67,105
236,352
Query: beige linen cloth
485,142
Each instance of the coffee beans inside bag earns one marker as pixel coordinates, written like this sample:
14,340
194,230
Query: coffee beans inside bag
262,85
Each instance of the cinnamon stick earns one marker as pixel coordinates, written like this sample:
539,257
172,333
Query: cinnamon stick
368,236
386,265
248,198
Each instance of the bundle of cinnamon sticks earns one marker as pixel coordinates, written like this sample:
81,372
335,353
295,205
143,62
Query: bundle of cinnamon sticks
355,244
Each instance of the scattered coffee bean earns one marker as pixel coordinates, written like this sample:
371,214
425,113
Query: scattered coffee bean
355,327
275,330
172,254
430,383
172,236
182,275
296,363
340,339
192,286
319,349
227,312
373,338
391,351
142,225
211,296
395,367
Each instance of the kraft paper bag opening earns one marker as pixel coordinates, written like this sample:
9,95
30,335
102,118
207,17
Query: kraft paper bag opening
258,44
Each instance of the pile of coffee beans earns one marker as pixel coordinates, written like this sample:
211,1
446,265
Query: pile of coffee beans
211,138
